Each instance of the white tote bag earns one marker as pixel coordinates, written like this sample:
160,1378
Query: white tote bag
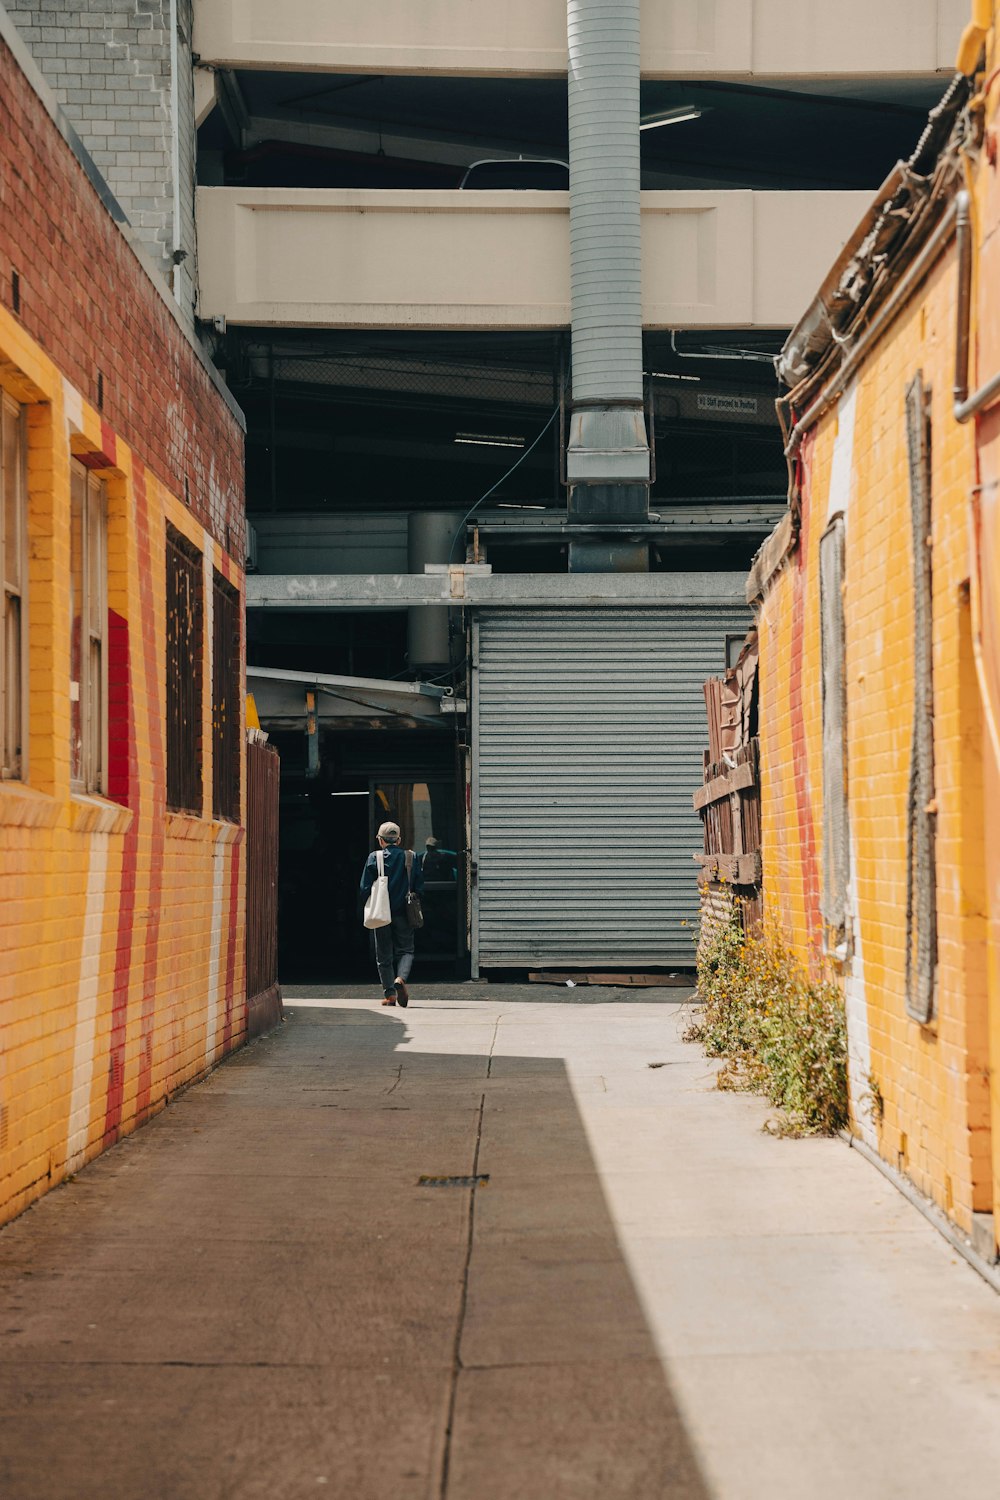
377,910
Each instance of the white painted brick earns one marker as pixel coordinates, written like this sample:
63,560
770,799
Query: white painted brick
111,65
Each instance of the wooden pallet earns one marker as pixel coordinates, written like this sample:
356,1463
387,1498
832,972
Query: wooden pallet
617,981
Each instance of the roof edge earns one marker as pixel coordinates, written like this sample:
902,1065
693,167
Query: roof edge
901,217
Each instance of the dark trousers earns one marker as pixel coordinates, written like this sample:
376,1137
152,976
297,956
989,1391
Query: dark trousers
394,950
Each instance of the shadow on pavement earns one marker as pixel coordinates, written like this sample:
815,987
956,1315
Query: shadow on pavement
254,1296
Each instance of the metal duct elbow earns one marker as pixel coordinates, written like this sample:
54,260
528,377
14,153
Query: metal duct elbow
607,443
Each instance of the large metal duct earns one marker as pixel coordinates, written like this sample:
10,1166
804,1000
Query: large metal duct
607,460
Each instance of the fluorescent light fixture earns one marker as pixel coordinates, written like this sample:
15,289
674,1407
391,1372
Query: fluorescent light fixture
669,375
671,116
513,505
489,439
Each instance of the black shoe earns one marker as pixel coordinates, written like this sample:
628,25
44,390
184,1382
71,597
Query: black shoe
402,993
390,997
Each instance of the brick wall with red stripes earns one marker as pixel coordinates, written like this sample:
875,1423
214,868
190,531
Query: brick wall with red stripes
121,921
920,1090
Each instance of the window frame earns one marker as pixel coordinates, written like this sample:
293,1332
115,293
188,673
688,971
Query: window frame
90,776
734,639
836,872
184,738
922,951
226,778
14,722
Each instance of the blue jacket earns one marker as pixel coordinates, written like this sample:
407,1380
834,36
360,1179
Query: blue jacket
395,868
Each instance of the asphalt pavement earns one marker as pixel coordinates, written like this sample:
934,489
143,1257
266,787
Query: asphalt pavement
487,1248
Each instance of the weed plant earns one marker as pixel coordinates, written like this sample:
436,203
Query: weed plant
782,1031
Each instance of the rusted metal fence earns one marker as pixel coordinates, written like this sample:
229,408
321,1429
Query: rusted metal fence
263,993
728,800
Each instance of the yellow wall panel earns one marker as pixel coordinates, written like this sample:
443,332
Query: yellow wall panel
933,1079
121,925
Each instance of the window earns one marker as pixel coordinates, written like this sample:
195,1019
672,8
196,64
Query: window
836,835
921,818
88,622
226,679
12,571
184,674
734,646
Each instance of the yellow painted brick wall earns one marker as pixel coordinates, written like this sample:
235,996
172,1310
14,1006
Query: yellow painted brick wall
985,579
121,927
933,1079
789,713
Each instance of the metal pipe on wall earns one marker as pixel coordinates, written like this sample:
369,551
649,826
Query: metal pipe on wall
966,406
963,247
176,235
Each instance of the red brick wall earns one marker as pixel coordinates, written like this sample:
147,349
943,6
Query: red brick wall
89,301
121,924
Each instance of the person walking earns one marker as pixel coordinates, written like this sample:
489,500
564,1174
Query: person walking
394,943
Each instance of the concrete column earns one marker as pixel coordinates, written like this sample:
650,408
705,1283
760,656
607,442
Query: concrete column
430,534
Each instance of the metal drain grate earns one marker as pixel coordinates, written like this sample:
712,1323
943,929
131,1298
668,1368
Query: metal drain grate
480,1180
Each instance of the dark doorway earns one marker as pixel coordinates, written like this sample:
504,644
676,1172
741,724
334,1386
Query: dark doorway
428,819
327,828
323,845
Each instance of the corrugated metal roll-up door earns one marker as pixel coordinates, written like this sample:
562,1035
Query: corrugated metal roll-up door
589,727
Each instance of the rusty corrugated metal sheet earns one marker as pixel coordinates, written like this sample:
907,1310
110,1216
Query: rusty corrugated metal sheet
263,993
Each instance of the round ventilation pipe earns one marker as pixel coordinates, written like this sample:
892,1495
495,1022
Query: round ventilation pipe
608,455
430,534
605,237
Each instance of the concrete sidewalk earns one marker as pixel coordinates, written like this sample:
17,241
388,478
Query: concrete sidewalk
254,1297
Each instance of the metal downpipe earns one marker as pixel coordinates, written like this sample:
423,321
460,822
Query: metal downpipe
963,310
965,406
